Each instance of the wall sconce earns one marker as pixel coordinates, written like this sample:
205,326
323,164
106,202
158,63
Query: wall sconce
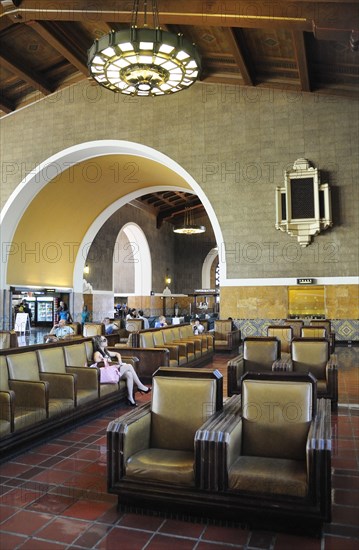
86,269
168,279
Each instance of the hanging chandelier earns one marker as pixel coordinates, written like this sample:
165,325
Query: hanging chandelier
144,61
189,227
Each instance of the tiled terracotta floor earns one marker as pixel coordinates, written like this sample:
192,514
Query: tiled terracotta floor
54,496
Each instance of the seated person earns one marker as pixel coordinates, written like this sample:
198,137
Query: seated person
161,322
126,371
109,327
198,328
146,323
60,330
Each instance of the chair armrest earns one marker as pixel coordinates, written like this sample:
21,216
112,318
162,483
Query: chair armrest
173,350
7,399
319,448
183,347
126,436
284,364
331,374
60,385
30,394
130,360
235,369
218,444
87,379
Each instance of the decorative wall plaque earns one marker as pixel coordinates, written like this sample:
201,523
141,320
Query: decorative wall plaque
303,205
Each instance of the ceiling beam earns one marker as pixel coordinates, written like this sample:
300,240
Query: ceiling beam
29,76
5,105
237,45
301,59
337,15
60,42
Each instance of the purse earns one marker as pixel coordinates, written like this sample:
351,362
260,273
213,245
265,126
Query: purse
109,374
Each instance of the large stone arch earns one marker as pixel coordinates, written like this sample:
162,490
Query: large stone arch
53,168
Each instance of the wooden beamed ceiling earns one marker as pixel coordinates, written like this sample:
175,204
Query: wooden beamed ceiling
299,45
302,45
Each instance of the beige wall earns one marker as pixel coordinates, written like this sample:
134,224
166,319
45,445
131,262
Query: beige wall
236,143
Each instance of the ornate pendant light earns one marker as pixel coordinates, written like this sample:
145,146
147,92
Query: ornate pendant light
144,61
189,227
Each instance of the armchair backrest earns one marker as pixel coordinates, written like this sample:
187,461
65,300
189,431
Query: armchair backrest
23,366
134,325
51,360
284,333
260,352
93,329
276,414
75,356
322,323
147,340
186,331
296,325
310,355
222,327
181,404
314,332
157,336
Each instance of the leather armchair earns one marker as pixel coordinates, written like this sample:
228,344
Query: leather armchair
23,403
328,326
273,460
53,368
260,354
225,338
58,395
285,334
151,457
313,355
93,329
296,325
178,355
87,378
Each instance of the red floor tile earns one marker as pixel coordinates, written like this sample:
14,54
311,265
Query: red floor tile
25,522
36,544
53,504
6,512
19,497
340,543
125,539
229,535
72,464
90,538
12,469
348,498
292,542
164,542
147,523
89,510
53,476
9,542
182,528
64,530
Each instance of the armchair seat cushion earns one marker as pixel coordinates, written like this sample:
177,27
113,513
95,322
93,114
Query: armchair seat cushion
269,476
162,466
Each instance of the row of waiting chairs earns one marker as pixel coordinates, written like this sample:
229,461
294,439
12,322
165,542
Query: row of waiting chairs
263,354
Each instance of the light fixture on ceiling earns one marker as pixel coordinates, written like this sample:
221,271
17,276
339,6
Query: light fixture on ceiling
189,227
144,61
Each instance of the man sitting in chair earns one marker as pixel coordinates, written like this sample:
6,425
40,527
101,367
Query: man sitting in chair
61,330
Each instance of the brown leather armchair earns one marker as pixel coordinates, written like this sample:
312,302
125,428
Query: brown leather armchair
58,395
23,403
53,369
93,329
260,354
328,326
274,458
296,325
313,355
285,334
226,338
151,457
